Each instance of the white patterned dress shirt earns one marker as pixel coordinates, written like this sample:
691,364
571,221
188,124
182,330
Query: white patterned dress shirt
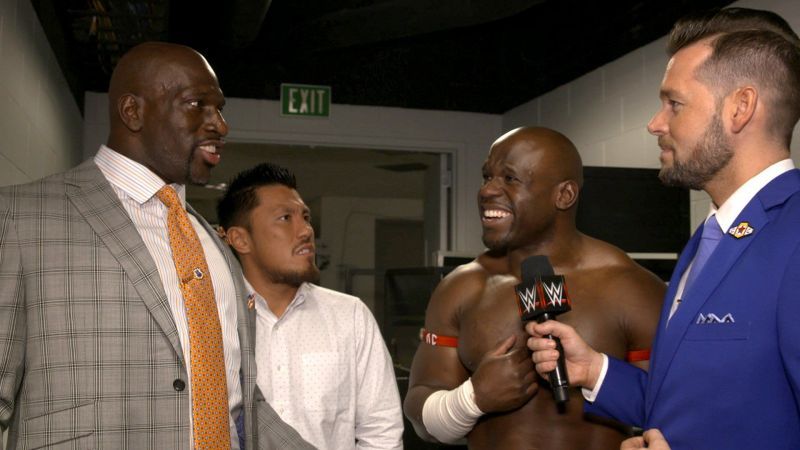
325,369
136,187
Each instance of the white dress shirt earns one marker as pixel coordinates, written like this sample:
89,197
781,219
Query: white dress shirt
325,369
136,186
726,214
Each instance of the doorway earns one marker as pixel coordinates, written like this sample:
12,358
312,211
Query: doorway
348,191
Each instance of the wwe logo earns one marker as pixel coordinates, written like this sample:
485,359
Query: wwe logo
528,297
555,292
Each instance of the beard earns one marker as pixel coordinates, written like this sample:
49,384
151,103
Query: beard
708,157
194,176
295,277
497,244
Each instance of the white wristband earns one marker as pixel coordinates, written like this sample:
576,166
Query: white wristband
450,415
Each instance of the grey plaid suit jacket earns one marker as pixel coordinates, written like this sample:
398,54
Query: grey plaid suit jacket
89,350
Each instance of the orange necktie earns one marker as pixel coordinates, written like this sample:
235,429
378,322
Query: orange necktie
209,388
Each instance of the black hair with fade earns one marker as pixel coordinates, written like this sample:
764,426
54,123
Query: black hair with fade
234,207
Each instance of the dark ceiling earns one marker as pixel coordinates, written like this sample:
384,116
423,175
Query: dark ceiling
467,55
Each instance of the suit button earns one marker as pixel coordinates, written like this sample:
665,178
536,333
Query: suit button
179,385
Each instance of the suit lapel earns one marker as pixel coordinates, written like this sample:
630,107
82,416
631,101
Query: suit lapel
245,316
95,199
725,256
245,327
683,263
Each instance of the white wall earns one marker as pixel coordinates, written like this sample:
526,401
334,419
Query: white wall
348,229
40,122
605,112
467,136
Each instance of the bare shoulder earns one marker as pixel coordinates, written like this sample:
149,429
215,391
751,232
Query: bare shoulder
624,295
456,291
623,279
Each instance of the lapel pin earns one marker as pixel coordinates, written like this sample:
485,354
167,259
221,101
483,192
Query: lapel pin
251,301
741,230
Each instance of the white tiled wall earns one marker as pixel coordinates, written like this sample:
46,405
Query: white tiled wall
605,112
40,122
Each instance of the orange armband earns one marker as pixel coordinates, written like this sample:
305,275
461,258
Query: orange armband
437,340
637,355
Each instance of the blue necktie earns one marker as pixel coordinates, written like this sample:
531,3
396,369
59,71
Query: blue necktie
712,234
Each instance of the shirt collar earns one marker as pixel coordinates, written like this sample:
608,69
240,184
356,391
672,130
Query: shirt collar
259,302
735,204
133,178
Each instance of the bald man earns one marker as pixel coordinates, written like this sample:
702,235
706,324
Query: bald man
478,381
94,330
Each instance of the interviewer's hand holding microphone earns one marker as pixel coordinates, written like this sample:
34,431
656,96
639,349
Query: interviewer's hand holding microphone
583,364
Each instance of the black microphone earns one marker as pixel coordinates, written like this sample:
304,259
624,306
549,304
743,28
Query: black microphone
542,296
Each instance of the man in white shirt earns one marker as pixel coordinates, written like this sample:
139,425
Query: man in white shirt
725,367
322,363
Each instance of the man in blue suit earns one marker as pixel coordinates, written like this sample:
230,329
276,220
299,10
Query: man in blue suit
725,368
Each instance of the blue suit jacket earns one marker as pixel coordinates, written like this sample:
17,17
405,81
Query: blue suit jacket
730,385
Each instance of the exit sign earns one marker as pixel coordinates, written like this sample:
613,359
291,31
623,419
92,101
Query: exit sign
305,100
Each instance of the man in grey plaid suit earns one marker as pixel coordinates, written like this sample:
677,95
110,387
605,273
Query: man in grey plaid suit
93,350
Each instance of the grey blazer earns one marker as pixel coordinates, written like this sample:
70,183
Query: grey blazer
89,351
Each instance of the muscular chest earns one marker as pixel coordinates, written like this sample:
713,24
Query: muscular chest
489,319
494,316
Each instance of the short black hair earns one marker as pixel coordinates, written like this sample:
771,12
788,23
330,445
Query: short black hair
235,205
